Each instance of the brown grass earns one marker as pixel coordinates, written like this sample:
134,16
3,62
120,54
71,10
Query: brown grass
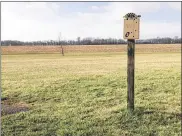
90,48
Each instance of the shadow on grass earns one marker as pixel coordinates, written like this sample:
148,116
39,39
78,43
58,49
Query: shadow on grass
122,122
141,111
144,121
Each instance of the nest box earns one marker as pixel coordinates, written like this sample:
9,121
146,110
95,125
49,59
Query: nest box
131,26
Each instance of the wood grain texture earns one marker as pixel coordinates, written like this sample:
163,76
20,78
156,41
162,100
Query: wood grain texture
130,74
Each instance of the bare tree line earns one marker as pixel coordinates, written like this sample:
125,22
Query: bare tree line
90,41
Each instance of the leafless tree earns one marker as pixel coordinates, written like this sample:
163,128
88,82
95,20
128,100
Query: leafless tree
59,38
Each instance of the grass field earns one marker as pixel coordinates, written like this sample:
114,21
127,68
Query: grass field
85,94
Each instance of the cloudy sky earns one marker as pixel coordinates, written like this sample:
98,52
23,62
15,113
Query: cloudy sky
45,20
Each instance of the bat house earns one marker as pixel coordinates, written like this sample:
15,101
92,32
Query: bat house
131,26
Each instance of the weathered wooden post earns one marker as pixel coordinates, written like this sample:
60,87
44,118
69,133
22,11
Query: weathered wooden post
131,32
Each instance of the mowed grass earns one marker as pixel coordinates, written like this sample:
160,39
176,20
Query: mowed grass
85,94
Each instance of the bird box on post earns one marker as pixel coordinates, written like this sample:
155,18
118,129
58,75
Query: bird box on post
131,26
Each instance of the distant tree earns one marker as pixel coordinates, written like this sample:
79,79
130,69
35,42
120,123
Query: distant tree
59,39
78,40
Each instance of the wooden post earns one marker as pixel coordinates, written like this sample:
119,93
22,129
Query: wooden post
130,74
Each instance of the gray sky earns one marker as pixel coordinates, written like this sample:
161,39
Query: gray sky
44,20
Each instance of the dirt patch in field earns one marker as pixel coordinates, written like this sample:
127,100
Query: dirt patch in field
90,48
8,107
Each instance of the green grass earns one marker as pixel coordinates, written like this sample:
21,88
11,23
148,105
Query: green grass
85,95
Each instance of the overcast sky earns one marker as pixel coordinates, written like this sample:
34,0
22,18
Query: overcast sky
45,20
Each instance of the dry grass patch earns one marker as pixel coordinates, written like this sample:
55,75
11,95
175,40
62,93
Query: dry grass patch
143,48
9,107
